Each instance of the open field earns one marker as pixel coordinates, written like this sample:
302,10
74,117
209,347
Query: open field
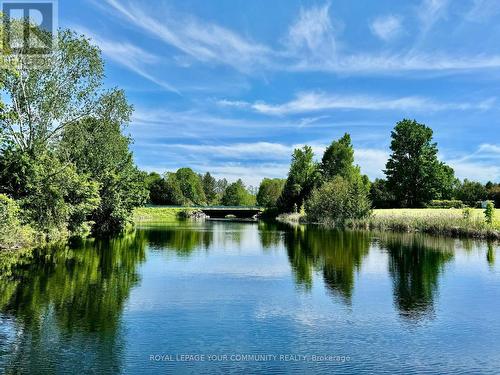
448,222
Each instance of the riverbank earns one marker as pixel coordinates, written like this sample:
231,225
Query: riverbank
161,213
447,222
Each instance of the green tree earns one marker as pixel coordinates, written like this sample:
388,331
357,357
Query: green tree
210,188
236,194
269,192
302,178
494,193
380,195
191,186
98,148
12,232
174,192
471,192
414,174
59,199
338,159
43,102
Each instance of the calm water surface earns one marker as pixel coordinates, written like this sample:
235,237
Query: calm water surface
330,301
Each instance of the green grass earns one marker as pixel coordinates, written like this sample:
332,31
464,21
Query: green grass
435,221
157,214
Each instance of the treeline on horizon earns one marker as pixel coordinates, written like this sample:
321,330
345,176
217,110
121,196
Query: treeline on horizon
415,178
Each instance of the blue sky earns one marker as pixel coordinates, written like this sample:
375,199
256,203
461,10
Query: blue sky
232,86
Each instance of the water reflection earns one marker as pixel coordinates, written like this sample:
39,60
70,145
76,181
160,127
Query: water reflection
415,264
181,238
490,254
336,254
63,308
67,304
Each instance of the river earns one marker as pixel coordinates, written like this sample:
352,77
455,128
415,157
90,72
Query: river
226,297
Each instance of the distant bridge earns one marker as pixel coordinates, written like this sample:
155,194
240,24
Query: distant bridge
221,212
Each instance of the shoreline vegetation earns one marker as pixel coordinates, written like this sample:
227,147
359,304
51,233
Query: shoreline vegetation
442,222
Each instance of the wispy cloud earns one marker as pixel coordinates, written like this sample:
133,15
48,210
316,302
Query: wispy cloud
482,10
207,42
482,164
232,161
386,27
317,101
128,55
430,12
312,34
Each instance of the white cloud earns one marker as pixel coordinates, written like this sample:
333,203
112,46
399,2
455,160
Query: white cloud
317,101
310,43
431,11
475,171
493,150
253,161
312,33
481,165
372,161
387,27
202,41
128,55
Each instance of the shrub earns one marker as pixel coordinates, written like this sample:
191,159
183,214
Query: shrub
339,200
466,213
12,233
489,212
445,204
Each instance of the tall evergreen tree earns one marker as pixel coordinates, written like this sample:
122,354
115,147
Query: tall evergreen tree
210,188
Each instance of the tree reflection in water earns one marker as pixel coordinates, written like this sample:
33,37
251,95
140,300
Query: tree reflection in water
415,264
336,254
67,302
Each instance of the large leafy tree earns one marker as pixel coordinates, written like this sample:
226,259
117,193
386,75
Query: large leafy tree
338,159
191,186
42,102
60,139
236,194
97,147
414,174
302,178
269,192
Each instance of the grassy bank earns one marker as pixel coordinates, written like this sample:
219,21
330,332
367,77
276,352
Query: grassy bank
159,214
449,222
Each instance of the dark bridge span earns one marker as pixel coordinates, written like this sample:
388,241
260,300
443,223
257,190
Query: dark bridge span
239,212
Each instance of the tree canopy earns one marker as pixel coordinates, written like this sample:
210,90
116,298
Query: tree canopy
302,178
236,194
269,192
414,174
